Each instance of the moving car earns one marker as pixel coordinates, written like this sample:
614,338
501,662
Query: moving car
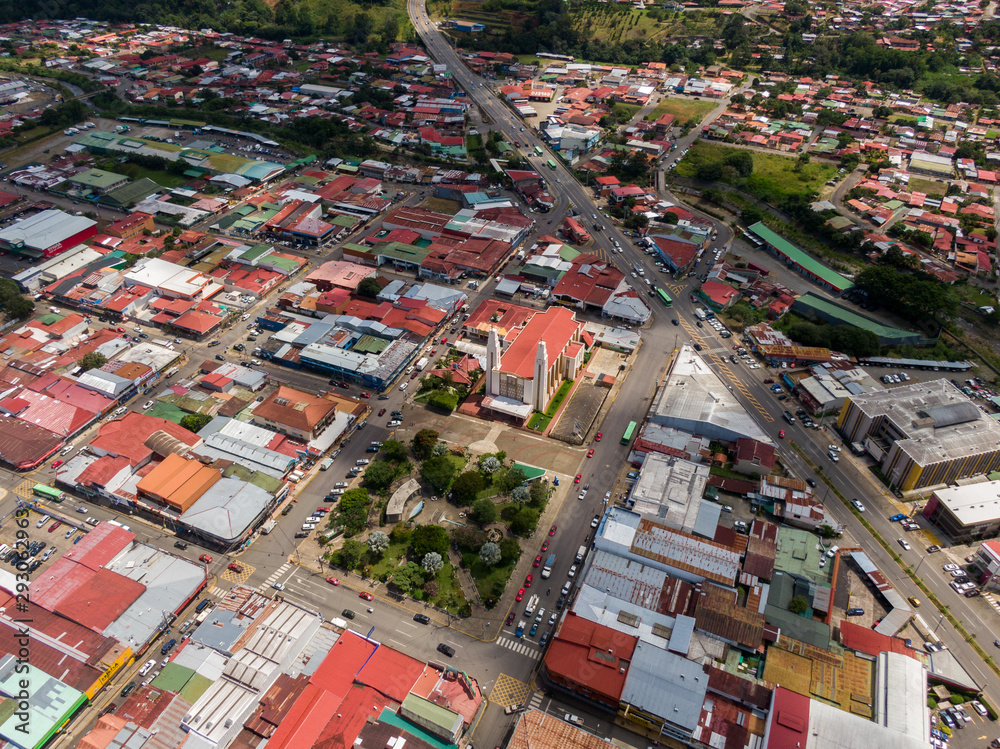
205,558
422,618
860,507
520,595
446,649
366,596
333,581
553,529
903,543
235,567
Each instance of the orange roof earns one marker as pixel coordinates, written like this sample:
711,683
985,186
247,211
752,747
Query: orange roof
178,482
556,326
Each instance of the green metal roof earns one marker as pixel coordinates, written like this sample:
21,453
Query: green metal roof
531,472
800,258
132,193
369,344
849,317
429,711
97,178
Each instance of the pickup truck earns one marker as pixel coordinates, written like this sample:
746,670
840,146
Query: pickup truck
519,632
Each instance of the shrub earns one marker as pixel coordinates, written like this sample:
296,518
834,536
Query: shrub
443,401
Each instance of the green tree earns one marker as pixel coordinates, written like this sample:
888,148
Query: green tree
539,491
428,538
369,288
195,422
489,465
92,360
350,554
443,400
12,303
521,495
394,451
510,550
508,480
379,475
855,341
466,487
438,472
423,443
798,605
525,522
484,511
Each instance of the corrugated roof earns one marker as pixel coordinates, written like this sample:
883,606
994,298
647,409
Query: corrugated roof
800,258
666,685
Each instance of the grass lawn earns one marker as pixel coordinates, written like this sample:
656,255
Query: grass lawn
627,111
473,142
442,204
208,50
489,580
975,296
541,420
928,187
774,177
683,109
161,177
449,591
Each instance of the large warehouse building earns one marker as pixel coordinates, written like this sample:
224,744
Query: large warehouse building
46,234
923,434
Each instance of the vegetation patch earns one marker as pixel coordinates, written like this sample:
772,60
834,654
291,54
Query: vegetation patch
539,420
683,109
768,177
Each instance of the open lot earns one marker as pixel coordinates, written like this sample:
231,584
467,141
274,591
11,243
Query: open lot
683,108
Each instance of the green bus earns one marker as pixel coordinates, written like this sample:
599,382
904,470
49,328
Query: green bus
627,437
47,492
664,297
552,164
538,150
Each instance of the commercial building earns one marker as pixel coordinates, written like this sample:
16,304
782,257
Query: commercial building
98,181
923,434
831,384
303,415
967,512
46,234
672,491
694,400
539,356
800,261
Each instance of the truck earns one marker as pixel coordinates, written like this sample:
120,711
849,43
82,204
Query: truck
580,554
325,465
700,314
268,527
519,632
529,609
421,363
549,564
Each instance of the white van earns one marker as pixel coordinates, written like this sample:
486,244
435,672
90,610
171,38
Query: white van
147,667
44,519
325,465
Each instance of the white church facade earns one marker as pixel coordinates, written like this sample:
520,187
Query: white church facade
524,371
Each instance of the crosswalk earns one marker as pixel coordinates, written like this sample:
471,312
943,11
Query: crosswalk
276,574
520,647
535,703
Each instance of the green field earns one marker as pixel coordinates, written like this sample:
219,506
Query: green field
683,109
615,24
160,177
927,187
774,177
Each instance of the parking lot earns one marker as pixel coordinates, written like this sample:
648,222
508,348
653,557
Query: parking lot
51,538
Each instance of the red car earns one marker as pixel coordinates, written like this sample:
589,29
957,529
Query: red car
333,581
205,558
55,525
323,509
434,352
553,529
520,594
538,561
510,619
58,463
365,395
769,381
366,596
590,453
545,545
527,581
577,479
598,437
781,434
444,339
235,567
381,411
120,330
414,375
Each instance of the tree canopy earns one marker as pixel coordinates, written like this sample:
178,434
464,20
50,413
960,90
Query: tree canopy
428,538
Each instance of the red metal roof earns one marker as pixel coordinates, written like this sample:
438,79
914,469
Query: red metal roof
556,326
867,640
591,655
788,721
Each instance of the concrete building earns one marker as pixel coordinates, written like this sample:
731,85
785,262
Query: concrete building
46,234
923,434
966,513
672,491
522,379
831,384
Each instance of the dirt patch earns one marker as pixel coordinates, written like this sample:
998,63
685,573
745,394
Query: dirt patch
578,415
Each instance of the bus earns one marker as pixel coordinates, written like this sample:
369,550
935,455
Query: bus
664,297
552,164
538,150
47,492
629,432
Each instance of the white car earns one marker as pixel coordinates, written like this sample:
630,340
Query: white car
902,542
835,448
950,567
147,405
278,586
403,386
572,571
832,456
860,507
